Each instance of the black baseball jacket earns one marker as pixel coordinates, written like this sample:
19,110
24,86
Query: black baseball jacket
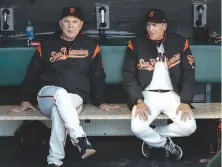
139,64
75,66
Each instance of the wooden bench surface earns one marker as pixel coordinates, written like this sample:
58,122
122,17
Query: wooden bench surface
201,111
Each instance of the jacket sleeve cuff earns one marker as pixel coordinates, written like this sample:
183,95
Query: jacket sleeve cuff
97,102
186,101
137,98
26,98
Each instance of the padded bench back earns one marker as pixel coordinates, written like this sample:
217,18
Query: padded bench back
14,62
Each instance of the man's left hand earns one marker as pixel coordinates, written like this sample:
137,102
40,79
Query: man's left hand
107,107
185,111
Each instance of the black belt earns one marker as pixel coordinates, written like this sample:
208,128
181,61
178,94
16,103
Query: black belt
160,91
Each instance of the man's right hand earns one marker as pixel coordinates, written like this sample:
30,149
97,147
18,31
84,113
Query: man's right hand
142,110
25,105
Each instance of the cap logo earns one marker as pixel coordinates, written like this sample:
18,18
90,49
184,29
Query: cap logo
151,14
72,10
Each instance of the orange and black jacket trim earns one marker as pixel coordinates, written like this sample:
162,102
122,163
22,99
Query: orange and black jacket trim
139,64
75,66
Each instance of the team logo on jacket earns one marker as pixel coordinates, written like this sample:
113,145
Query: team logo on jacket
173,61
142,65
62,55
150,65
190,59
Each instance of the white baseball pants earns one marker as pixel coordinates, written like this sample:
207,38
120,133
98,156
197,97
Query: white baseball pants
166,103
63,109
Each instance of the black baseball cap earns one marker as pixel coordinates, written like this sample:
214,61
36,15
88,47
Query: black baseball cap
71,11
156,16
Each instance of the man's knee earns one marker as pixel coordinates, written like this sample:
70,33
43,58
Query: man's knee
188,128
139,128
60,92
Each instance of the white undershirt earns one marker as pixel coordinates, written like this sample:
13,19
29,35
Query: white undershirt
161,78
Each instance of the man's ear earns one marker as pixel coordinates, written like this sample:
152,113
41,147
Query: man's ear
81,24
164,26
60,24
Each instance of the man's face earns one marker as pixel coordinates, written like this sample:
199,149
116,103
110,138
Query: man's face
156,30
70,26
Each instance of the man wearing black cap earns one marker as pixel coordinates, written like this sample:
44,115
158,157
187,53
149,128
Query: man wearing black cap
66,72
158,75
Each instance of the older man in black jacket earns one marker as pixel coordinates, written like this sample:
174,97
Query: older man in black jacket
67,72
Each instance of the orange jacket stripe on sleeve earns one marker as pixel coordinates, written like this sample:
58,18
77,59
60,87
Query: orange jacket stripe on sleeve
39,48
130,45
186,45
97,50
